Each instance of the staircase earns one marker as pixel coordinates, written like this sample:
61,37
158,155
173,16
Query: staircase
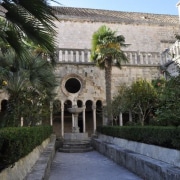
76,146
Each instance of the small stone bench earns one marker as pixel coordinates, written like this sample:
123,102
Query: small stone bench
144,166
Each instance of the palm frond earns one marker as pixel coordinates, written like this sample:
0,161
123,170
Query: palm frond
34,18
106,45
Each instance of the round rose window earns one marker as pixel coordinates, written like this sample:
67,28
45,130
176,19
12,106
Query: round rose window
72,85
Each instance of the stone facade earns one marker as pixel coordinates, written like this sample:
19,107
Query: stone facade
148,35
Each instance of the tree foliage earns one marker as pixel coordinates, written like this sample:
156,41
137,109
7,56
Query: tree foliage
140,98
30,85
168,112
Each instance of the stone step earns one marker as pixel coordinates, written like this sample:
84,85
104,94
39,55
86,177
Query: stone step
75,146
78,150
76,142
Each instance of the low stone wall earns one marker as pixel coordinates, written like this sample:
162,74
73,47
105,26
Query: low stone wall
142,165
167,155
24,165
41,169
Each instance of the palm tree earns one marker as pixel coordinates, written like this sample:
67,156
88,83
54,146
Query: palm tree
106,51
33,19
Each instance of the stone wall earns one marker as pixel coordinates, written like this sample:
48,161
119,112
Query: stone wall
141,164
171,156
141,37
94,80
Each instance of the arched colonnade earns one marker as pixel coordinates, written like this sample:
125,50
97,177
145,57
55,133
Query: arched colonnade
91,116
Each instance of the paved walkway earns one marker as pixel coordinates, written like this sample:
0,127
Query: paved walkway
87,166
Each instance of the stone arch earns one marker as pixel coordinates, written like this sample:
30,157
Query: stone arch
89,104
89,116
79,103
99,112
56,106
67,104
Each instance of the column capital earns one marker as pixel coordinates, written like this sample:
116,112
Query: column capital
93,106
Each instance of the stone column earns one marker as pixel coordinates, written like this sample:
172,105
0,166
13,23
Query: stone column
51,113
75,128
82,56
130,116
22,121
94,118
104,116
84,118
62,119
77,56
73,124
60,55
120,119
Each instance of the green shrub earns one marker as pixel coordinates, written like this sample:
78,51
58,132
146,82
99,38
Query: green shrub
17,142
162,136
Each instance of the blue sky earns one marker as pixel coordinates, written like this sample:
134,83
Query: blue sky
147,6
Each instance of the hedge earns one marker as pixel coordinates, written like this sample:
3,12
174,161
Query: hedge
168,137
17,142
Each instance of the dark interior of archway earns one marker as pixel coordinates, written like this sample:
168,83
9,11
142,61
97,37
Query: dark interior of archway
67,104
88,105
73,85
4,104
79,103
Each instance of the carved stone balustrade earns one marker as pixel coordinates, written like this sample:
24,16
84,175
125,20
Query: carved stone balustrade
82,56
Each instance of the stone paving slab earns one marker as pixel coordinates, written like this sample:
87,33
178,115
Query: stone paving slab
87,166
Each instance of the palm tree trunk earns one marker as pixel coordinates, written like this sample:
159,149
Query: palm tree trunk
108,70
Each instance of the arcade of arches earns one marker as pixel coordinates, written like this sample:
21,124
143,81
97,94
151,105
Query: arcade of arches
74,90
88,120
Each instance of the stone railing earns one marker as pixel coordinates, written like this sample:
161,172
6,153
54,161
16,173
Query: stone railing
83,56
143,58
171,54
74,56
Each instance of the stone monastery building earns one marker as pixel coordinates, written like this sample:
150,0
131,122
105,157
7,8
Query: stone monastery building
149,35
81,82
